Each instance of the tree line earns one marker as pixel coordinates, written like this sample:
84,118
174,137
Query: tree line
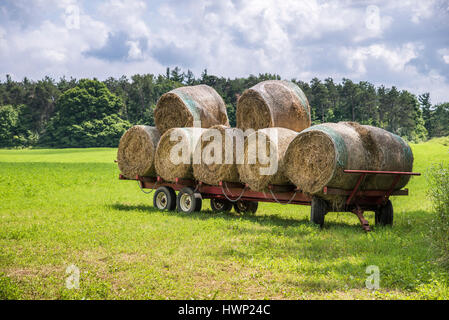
93,113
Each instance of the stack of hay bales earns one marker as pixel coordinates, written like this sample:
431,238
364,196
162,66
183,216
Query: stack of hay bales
317,157
277,110
143,151
231,166
309,157
176,114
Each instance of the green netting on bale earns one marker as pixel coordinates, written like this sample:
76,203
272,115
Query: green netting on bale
190,104
341,153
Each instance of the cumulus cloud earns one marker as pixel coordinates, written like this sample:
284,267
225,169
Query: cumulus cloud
127,16
395,59
394,43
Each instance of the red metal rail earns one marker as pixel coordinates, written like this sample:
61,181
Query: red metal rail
284,194
403,173
382,195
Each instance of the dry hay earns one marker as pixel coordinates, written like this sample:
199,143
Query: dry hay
385,152
219,170
183,106
136,150
317,157
168,169
277,141
273,103
298,168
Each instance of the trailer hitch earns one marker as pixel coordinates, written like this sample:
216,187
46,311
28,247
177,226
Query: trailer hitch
359,213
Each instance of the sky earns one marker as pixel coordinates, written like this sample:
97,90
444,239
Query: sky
394,43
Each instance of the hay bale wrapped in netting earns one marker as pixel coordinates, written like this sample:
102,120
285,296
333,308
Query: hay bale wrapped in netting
175,153
264,152
317,157
183,106
273,103
219,160
385,152
136,150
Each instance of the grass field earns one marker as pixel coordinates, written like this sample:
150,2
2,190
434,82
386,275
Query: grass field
64,207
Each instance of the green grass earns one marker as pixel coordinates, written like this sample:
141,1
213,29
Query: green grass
441,140
64,207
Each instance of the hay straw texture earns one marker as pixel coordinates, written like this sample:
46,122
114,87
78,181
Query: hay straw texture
136,150
221,169
273,103
277,141
169,146
317,157
182,106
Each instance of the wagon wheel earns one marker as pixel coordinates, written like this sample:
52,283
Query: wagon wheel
318,210
220,205
384,214
188,201
243,206
164,199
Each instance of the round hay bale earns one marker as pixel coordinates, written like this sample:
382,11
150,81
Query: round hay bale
259,171
273,103
136,150
175,153
214,169
317,157
183,106
385,152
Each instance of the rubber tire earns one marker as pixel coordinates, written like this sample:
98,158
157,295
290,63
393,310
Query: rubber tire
171,198
195,199
318,211
243,206
226,205
384,215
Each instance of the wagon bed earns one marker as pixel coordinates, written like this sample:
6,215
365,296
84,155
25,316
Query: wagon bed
229,194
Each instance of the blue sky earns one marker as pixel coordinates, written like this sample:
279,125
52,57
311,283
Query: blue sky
401,43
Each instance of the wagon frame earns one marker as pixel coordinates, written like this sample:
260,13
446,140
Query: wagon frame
229,194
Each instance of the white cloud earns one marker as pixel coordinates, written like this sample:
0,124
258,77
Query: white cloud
395,58
126,15
51,49
54,55
422,10
134,50
433,82
375,24
300,39
417,11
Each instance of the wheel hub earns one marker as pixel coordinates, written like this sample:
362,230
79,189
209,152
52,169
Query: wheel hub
241,206
218,204
185,202
161,200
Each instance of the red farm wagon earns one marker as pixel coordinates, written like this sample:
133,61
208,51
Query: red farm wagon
225,196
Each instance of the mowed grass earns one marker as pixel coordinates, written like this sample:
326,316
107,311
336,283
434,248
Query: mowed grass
67,207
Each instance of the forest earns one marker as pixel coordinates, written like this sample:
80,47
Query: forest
92,113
